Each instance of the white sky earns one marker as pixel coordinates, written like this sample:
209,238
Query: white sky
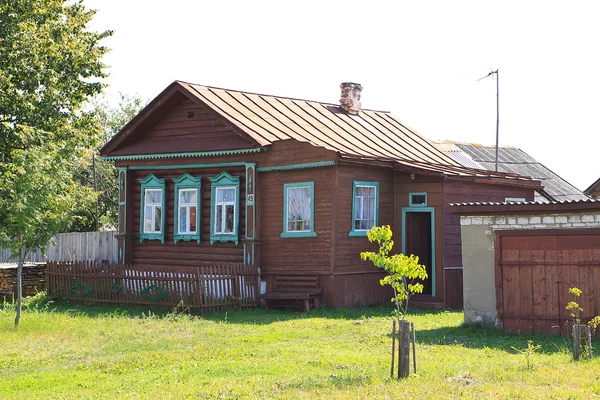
418,59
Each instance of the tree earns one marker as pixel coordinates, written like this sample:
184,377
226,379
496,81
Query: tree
101,175
402,270
37,188
403,275
50,67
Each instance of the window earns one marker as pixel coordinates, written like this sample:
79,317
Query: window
152,216
514,199
417,199
365,207
187,208
298,210
224,208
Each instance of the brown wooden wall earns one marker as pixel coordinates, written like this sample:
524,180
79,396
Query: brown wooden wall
310,255
347,248
456,191
184,253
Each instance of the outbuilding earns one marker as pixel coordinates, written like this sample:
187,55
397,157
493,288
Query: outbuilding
520,259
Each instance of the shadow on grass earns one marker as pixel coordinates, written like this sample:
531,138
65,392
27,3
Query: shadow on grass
481,337
469,336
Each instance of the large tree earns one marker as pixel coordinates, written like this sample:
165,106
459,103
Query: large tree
50,67
101,175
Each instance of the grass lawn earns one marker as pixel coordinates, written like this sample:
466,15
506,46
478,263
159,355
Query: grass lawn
73,351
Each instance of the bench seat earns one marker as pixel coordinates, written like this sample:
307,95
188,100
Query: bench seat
294,287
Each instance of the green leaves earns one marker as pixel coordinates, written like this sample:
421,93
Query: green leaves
403,271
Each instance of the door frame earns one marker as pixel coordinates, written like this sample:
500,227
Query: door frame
431,211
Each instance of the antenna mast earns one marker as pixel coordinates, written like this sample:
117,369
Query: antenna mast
497,109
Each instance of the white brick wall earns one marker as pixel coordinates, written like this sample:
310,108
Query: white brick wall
538,221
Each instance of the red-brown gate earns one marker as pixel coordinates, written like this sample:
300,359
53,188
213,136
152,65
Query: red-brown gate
534,271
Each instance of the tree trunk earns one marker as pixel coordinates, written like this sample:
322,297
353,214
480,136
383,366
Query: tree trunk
19,286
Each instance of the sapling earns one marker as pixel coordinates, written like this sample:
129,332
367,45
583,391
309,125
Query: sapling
402,272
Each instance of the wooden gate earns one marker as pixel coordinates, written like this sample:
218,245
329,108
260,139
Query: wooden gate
534,271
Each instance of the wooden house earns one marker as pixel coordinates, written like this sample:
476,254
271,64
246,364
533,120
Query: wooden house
208,175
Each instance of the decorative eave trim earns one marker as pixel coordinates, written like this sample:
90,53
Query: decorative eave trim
181,155
296,166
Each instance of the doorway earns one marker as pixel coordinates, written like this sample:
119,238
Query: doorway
418,238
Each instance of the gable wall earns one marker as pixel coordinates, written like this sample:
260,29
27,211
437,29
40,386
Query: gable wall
176,132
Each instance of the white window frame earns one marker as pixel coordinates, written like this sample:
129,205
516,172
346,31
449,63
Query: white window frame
298,233
153,206
187,207
224,204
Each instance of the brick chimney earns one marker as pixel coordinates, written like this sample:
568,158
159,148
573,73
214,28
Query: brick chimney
350,100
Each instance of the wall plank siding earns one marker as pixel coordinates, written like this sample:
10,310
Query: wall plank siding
185,252
456,191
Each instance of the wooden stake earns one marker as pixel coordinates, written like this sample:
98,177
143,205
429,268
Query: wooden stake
404,350
412,328
576,341
588,331
393,347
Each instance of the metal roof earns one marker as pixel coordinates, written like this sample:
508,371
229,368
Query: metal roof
553,207
516,161
371,136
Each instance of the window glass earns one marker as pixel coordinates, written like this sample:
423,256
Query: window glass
225,210
364,207
187,211
152,210
299,209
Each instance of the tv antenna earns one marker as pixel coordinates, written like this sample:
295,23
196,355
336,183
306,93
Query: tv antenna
497,108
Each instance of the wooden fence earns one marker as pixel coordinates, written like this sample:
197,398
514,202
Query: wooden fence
96,246
207,288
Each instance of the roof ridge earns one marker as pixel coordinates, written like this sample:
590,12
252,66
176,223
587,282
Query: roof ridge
277,96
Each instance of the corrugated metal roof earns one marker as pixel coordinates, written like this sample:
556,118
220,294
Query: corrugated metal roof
485,204
371,134
515,161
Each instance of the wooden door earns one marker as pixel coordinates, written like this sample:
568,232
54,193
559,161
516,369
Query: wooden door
534,271
418,241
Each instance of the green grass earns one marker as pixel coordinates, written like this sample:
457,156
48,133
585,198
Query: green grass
72,351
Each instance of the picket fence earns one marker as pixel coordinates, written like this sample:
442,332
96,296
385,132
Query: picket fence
206,288
95,246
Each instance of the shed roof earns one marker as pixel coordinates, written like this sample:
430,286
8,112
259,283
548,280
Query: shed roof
370,136
515,161
553,207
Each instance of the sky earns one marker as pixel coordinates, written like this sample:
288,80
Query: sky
421,60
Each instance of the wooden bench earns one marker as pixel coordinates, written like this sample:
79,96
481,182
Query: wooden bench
294,287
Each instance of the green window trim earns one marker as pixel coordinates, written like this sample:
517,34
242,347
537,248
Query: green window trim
355,184
224,180
413,195
186,181
152,182
298,234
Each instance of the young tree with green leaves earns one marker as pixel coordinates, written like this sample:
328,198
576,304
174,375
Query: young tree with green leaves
403,275
36,195
50,68
402,270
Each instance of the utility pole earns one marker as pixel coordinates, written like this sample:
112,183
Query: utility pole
497,110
